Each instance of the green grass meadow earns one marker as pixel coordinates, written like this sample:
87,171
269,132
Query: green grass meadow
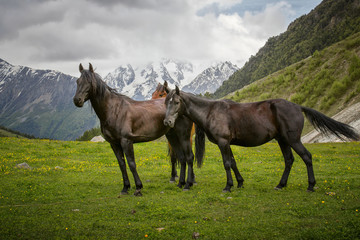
72,189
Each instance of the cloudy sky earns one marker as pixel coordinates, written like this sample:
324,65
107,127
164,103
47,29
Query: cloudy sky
59,34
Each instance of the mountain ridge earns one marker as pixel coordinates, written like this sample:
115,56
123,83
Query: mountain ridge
328,81
331,21
39,102
139,82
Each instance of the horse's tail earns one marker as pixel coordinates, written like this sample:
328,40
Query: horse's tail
199,145
328,125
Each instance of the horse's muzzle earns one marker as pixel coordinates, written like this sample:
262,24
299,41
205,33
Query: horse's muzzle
170,122
78,102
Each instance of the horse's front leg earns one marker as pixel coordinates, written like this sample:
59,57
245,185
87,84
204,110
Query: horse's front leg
189,158
120,157
173,164
175,143
238,176
182,173
224,147
128,148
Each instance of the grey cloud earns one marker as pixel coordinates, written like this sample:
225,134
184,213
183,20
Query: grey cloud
156,5
129,31
17,15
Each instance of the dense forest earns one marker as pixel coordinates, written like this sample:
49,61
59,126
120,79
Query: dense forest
89,134
328,23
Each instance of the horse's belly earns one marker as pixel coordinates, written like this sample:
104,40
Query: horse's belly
253,138
249,142
148,136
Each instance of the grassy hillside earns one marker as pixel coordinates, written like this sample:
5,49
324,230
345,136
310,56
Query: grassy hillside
328,23
5,132
328,81
71,192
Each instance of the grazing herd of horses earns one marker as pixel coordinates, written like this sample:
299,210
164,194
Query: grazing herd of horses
173,113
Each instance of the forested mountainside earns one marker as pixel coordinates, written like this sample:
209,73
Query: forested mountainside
328,81
330,22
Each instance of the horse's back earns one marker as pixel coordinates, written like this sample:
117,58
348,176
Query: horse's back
258,122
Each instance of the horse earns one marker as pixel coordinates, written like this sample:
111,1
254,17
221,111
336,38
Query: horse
161,92
252,124
124,121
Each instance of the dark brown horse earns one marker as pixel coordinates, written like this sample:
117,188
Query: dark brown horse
161,92
252,124
124,122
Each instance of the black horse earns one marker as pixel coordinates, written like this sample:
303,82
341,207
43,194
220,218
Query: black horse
161,92
252,124
124,121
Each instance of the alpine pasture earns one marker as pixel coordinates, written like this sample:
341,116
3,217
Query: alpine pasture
71,191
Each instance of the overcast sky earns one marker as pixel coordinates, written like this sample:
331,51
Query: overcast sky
59,34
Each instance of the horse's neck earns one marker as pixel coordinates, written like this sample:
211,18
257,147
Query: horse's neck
196,109
101,106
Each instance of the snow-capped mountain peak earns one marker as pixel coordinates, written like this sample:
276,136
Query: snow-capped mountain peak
140,82
211,78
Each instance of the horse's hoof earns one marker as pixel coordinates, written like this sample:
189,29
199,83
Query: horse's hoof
310,190
186,189
172,181
277,188
226,191
124,193
138,193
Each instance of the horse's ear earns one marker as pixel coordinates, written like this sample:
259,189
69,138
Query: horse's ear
177,90
91,69
81,68
166,88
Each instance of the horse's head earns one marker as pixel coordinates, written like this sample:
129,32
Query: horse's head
84,85
161,91
174,107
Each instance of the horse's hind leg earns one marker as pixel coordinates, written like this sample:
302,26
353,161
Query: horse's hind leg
307,158
289,159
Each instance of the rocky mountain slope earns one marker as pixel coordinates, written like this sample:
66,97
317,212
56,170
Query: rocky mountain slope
39,103
350,116
211,78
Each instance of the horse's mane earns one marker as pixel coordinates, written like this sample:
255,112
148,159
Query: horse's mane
98,85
